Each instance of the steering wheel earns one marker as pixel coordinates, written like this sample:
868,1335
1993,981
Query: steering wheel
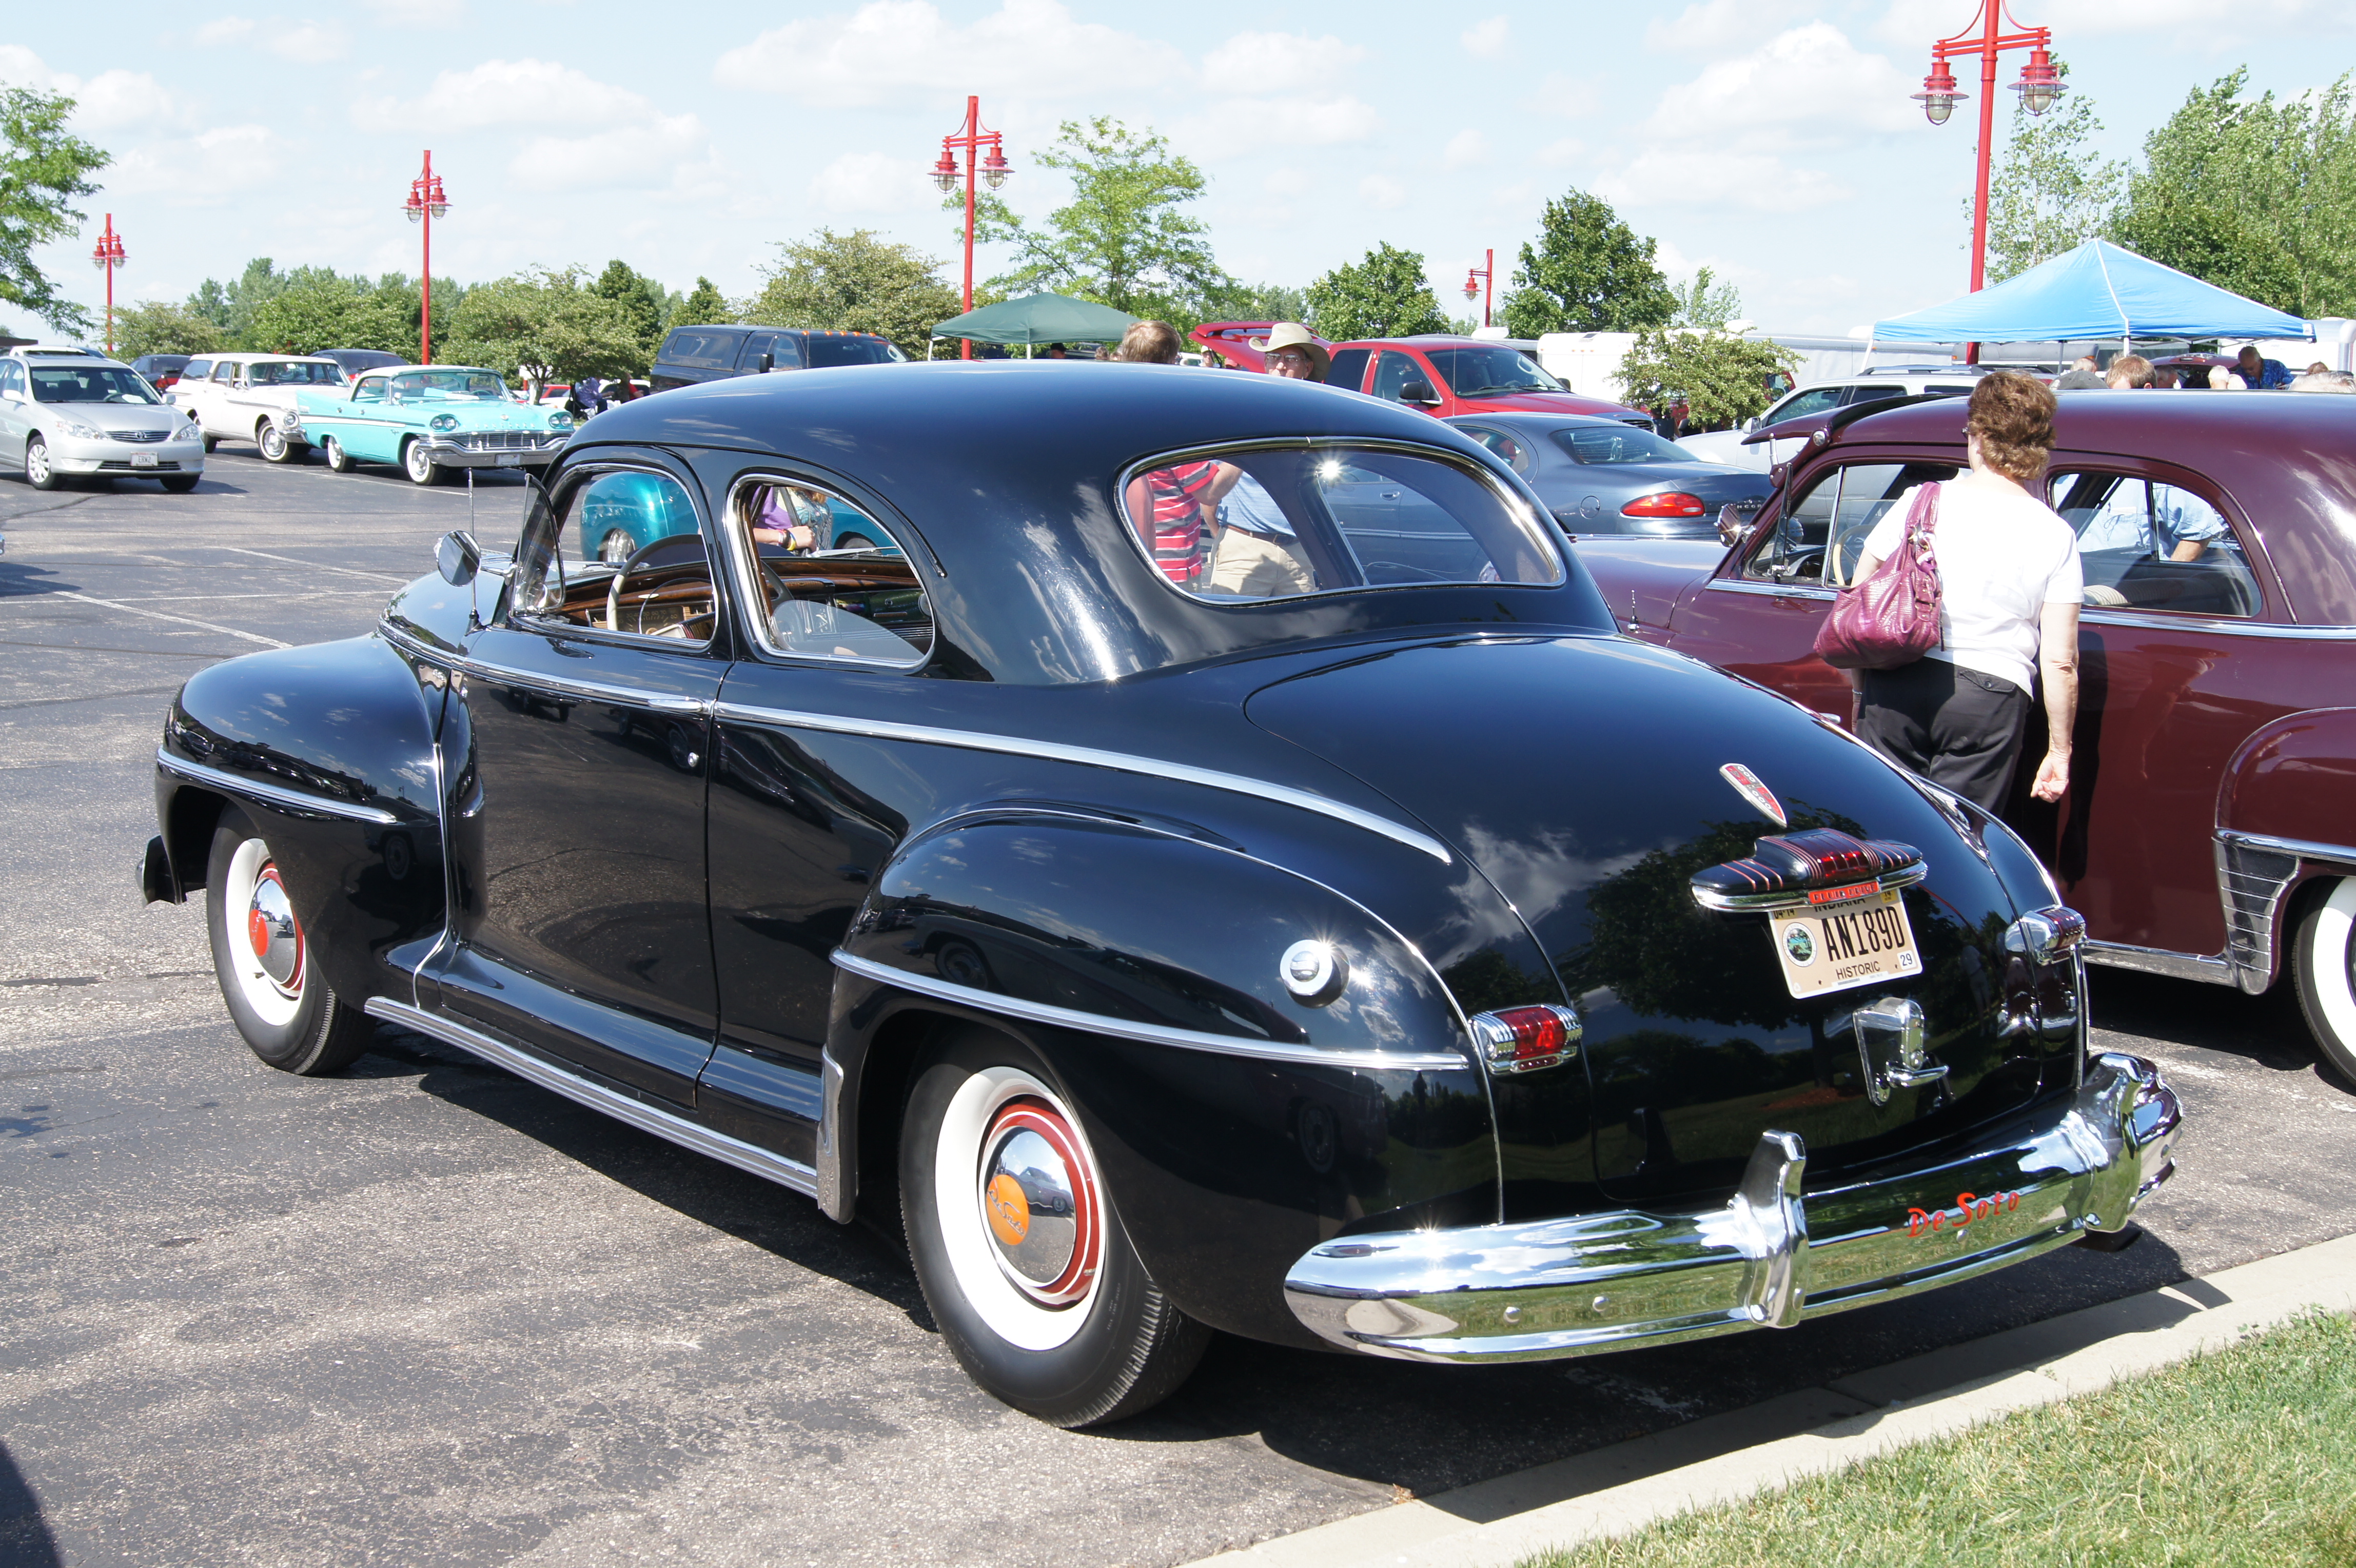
638,558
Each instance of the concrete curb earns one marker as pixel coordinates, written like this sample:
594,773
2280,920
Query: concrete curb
1619,1490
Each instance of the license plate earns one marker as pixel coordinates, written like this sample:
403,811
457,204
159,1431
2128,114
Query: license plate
1844,937
143,459
507,461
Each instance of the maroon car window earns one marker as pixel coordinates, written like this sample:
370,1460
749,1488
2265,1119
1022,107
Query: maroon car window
2149,545
1831,518
1349,370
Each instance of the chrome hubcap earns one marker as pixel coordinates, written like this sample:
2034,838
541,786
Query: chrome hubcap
614,547
37,460
271,931
1039,1202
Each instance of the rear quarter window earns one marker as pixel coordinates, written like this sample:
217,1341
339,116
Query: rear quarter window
704,349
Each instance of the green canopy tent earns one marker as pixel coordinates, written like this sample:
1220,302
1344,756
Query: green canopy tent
1037,318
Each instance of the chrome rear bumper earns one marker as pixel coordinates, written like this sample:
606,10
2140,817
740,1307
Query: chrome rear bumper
1771,1257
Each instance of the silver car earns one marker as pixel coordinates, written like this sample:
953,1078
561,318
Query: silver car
69,411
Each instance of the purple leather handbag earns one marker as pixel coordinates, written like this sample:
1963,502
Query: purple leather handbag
1892,618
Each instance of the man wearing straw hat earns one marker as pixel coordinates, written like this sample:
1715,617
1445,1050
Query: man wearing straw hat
1256,555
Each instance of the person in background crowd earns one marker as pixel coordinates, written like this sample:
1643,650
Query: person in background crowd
2010,581
2164,378
1256,546
591,392
2129,373
2222,380
2081,376
2319,368
1149,343
1055,351
1167,505
2257,370
2325,381
792,517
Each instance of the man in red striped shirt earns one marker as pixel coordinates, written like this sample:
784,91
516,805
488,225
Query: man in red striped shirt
1171,506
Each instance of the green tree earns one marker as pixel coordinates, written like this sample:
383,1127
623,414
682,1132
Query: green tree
1255,302
2048,193
641,299
544,326
858,282
161,328
1589,272
1124,239
43,169
1384,295
1721,378
1706,301
704,307
2253,196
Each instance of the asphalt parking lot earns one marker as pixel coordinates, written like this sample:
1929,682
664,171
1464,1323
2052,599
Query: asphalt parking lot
424,1313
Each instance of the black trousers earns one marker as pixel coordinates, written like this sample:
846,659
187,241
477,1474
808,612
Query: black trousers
1955,727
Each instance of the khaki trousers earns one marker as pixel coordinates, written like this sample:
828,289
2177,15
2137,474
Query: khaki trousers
1255,566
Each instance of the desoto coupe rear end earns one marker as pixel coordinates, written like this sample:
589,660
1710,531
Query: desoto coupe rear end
1332,932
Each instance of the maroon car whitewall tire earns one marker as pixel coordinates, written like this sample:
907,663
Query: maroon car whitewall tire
2323,965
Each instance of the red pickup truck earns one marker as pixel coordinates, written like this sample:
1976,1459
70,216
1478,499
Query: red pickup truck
1444,374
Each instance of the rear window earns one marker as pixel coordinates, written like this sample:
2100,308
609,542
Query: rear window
703,349
195,370
1618,443
1330,519
824,352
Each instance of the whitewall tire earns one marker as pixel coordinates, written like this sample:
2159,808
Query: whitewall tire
339,460
264,961
419,463
2323,965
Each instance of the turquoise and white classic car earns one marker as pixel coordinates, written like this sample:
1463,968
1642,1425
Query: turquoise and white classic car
426,419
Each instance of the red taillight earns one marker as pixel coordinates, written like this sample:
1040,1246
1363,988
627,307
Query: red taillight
1668,503
1520,1039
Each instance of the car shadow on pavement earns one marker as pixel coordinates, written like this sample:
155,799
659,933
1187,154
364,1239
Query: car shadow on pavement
25,1538
781,1222
20,580
2268,1030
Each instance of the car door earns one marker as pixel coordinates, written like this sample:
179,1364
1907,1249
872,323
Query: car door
15,413
784,349
580,753
1759,614
1348,371
2173,592
209,393
1394,371
793,840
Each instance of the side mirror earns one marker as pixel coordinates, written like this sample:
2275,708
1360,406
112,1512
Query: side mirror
1418,393
1749,424
768,363
1734,522
456,556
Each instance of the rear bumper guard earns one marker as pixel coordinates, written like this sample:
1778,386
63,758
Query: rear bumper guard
1773,1257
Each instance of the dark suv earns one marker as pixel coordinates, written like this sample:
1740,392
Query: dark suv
691,354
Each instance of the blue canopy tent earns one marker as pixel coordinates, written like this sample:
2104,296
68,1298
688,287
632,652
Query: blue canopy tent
2093,292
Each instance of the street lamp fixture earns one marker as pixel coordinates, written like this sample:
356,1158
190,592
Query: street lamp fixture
107,256
1477,280
427,202
2041,83
971,139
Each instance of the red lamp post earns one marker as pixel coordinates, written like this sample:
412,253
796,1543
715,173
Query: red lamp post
2039,86
1479,281
108,255
993,171
426,203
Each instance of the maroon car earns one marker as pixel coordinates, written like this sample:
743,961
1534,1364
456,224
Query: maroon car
1444,375
2209,830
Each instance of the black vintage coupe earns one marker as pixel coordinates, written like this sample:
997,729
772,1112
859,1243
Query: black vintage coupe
1336,933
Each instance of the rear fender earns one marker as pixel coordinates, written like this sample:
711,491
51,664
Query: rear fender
329,750
2281,821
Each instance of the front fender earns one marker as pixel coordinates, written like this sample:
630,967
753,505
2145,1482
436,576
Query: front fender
330,750
1238,1124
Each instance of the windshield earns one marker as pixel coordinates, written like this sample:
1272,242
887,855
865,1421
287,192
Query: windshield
452,386
89,383
314,373
825,352
1618,443
1491,371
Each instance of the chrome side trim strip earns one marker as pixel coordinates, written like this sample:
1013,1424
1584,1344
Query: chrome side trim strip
272,794
595,691
2215,971
2216,627
417,646
1787,591
647,1118
2306,849
1088,756
1150,1034
2253,875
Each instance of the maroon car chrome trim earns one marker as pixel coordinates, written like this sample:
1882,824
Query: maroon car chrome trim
1089,757
2217,971
1773,590
2208,626
1149,1033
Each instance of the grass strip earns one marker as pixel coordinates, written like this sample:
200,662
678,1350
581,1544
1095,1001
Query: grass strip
2246,1456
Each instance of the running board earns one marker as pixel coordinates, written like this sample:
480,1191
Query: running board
645,1118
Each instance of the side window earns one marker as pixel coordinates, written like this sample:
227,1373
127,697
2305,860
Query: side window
1394,370
1349,371
195,370
2149,545
829,581
652,578
370,391
1280,524
783,348
1872,395
710,348
228,370
1819,539
1515,454
1816,399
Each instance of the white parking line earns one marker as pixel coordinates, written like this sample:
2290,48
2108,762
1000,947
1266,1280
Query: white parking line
315,566
184,621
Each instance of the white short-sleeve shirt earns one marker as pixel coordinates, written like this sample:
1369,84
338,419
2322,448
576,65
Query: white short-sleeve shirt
2002,559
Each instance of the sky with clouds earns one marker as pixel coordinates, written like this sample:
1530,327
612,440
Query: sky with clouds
1769,140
